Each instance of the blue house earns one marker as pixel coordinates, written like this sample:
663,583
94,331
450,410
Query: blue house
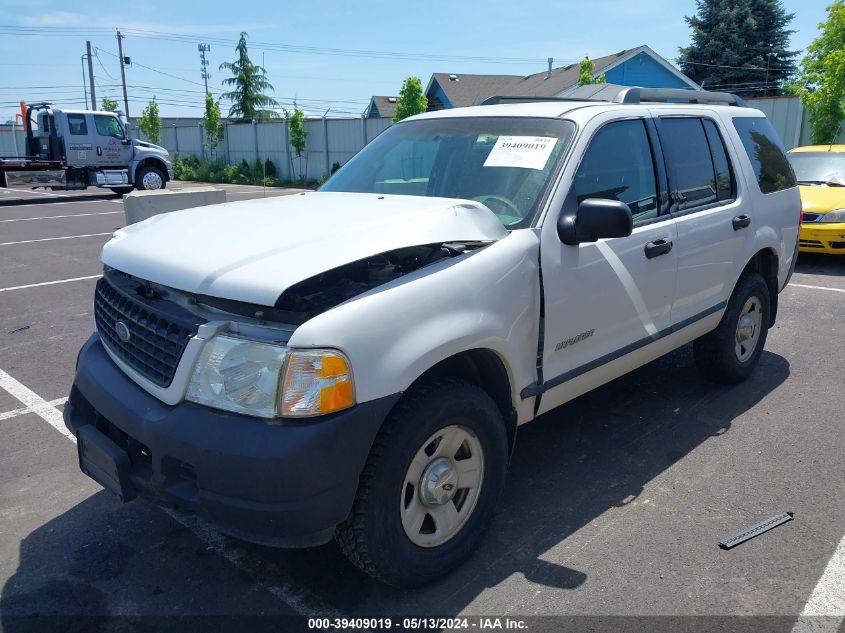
639,66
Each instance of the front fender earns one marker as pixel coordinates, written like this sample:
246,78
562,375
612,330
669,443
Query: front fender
486,299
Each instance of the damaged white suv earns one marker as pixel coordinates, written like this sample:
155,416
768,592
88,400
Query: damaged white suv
354,362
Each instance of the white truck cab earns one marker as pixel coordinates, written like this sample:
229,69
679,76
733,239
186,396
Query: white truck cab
354,362
77,149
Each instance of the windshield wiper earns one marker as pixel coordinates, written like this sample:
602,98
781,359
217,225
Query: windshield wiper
829,183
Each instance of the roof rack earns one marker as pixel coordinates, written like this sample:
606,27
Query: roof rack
614,93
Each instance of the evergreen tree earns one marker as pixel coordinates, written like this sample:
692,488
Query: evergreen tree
740,46
248,83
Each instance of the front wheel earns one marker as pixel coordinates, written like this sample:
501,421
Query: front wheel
729,353
430,486
149,179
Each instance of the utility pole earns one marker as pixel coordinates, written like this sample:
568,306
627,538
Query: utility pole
203,49
123,74
91,77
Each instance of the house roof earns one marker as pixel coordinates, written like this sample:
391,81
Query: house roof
386,106
466,90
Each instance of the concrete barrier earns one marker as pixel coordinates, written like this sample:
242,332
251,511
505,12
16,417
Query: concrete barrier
140,205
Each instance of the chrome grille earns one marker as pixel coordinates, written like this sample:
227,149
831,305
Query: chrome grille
158,335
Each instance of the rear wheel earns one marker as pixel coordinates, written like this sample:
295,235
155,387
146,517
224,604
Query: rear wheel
430,486
149,179
729,353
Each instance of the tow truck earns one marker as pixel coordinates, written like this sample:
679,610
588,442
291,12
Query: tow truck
77,149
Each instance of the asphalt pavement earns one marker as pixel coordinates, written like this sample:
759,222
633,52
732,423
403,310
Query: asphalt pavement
614,506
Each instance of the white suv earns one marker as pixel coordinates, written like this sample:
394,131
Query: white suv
354,362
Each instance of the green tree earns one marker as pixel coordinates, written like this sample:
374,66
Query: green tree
298,134
150,122
248,83
212,125
411,99
740,46
588,70
821,78
109,104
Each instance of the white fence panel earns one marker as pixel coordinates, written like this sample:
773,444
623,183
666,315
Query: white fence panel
328,141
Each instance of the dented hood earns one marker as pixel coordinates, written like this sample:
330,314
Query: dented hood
254,250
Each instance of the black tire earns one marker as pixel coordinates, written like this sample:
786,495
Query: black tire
716,353
373,537
143,171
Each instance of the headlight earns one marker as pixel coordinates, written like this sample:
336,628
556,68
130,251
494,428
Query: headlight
316,382
834,216
238,375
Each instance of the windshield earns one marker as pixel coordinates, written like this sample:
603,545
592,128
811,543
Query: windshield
818,168
503,163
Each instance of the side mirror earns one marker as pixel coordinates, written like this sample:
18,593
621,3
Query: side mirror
595,219
126,141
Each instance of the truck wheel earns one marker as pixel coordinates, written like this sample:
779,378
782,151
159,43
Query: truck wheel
729,353
149,179
430,485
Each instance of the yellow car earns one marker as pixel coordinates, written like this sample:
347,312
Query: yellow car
820,170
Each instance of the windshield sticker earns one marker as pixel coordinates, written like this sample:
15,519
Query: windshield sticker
526,152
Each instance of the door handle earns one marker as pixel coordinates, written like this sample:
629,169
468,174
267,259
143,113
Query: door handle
741,221
658,247
99,151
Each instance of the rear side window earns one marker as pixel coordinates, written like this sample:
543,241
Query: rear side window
766,153
77,124
721,164
618,165
687,152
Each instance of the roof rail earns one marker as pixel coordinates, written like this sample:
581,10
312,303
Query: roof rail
497,99
614,93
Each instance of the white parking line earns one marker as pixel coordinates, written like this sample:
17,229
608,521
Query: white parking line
50,283
299,599
35,403
827,599
39,193
50,239
18,412
51,204
817,287
53,217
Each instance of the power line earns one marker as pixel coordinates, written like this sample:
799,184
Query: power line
288,48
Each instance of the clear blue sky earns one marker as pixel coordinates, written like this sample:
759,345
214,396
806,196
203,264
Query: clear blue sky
406,39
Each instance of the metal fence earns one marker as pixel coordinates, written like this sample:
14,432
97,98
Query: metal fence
790,120
328,141
337,140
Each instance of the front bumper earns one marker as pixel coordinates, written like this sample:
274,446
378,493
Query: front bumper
822,237
283,485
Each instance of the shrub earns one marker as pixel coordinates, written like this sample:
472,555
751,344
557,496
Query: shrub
269,169
335,167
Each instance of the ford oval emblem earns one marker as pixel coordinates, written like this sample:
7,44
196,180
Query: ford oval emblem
122,331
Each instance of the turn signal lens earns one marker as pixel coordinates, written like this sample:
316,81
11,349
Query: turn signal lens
317,382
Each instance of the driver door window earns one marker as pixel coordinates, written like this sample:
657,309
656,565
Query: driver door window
108,126
618,165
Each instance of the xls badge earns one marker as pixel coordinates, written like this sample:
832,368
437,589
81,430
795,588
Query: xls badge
575,339
122,331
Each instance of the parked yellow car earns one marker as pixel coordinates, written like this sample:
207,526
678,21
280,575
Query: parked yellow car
820,170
